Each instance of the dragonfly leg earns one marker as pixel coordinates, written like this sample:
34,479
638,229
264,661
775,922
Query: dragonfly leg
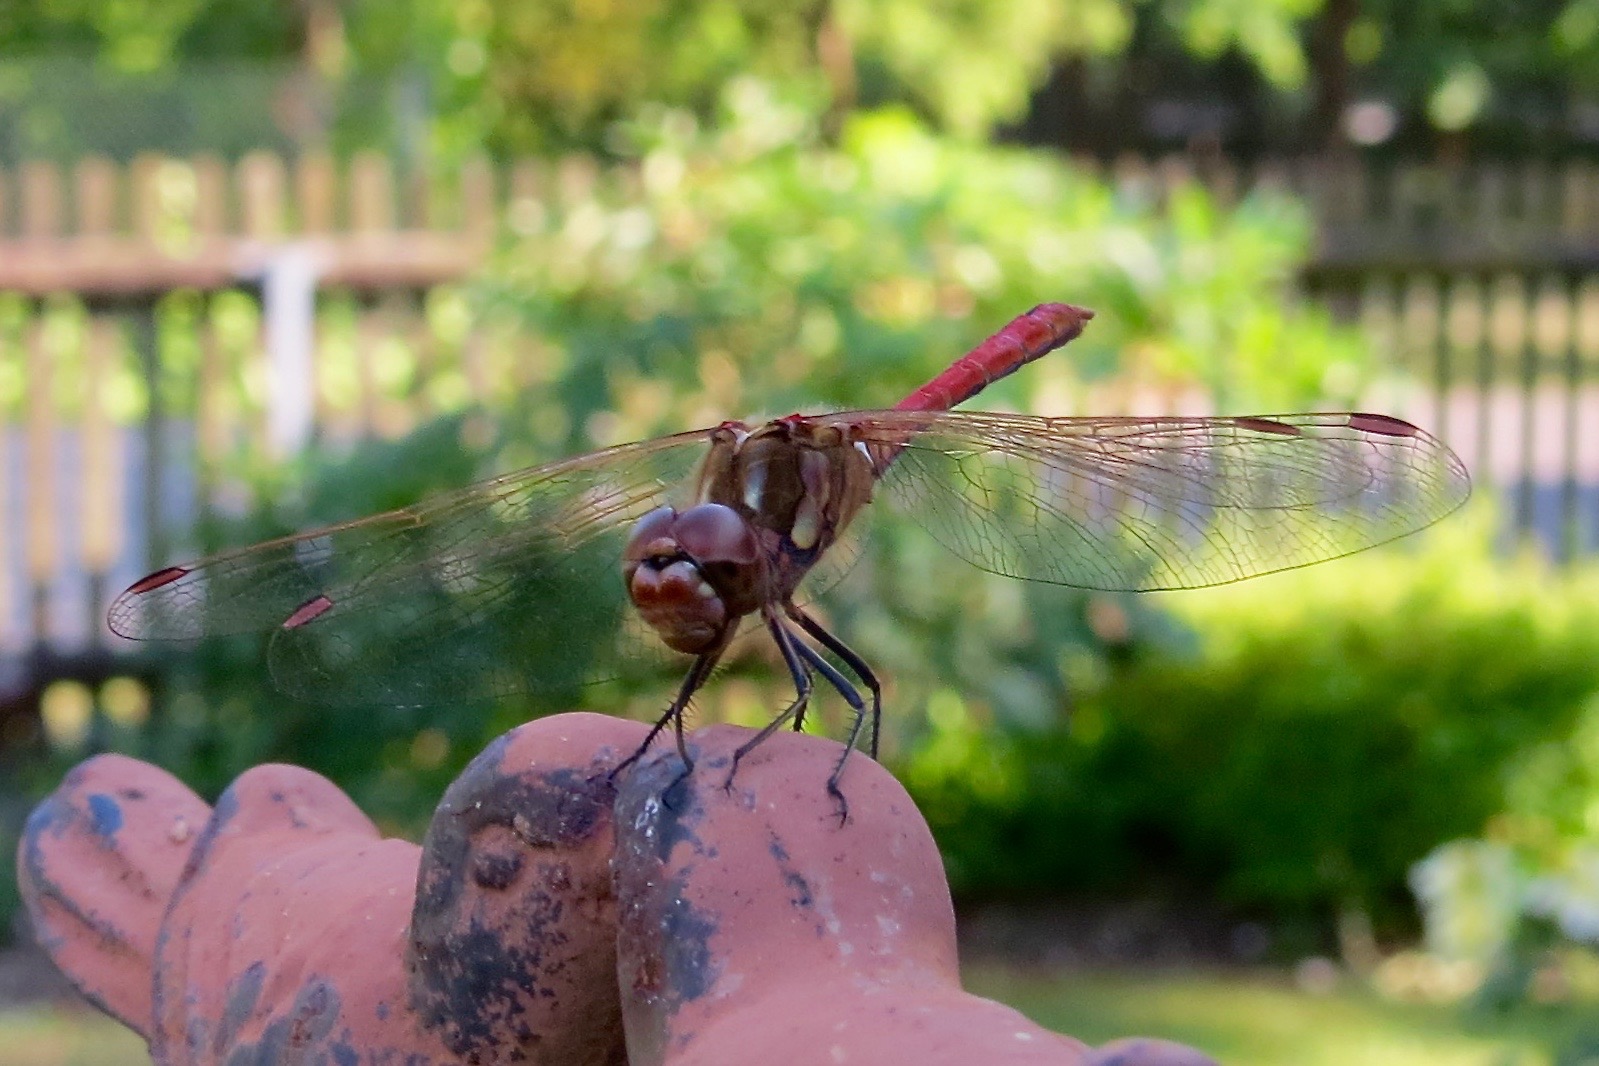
857,666
801,674
857,705
696,676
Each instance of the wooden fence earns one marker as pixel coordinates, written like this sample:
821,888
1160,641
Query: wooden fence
1483,281
103,445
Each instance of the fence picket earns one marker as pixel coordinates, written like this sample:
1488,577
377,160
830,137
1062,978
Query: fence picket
41,513
216,420
101,489
41,201
96,181
147,209
210,197
316,193
476,197
371,194
261,208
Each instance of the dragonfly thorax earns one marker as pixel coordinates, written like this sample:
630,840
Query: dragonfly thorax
798,480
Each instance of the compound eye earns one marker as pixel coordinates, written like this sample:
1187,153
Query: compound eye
648,534
714,533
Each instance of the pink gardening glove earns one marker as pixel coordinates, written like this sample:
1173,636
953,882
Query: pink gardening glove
283,928
711,925
755,929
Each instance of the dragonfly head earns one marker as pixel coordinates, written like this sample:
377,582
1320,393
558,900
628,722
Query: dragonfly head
692,574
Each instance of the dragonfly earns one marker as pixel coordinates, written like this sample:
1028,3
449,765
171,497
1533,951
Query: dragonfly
568,571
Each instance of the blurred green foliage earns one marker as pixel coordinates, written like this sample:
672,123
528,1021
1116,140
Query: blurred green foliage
1452,65
1329,727
1516,902
520,75
748,262
438,78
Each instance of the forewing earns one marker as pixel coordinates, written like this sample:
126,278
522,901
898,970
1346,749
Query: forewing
510,585
1131,504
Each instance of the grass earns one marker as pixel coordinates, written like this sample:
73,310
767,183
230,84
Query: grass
63,1037
1267,1021
1241,1021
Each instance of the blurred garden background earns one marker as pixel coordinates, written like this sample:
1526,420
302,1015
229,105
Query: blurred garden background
270,265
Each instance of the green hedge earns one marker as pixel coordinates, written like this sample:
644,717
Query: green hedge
1328,728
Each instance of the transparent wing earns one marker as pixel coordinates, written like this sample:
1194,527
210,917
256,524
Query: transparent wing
511,585
1131,504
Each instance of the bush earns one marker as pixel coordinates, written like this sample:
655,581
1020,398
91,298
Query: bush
747,265
1327,729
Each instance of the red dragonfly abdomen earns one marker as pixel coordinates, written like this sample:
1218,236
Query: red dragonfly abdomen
1027,337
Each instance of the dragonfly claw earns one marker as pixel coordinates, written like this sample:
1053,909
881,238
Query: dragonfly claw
839,800
732,771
